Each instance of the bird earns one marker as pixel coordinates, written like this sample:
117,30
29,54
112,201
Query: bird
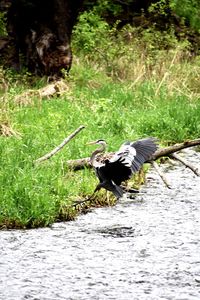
112,170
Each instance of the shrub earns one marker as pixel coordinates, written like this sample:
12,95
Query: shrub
189,11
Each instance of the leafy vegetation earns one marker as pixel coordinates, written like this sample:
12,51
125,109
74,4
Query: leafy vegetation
189,11
112,10
123,85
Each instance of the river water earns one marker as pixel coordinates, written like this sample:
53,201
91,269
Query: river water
143,248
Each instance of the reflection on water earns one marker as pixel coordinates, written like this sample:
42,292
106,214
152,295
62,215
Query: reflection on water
146,248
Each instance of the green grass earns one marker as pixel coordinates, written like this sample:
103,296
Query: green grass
115,110
123,86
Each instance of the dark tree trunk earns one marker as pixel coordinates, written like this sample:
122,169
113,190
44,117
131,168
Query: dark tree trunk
39,34
39,31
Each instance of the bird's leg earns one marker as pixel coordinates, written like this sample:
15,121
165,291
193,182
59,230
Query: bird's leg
89,198
108,197
129,190
85,200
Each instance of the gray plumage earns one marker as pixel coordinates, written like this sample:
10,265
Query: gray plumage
123,164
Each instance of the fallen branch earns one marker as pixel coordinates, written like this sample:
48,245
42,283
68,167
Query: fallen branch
56,88
186,163
78,164
161,174
174,148
59,147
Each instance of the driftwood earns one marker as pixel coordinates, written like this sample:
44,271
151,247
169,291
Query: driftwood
160,173
59,147
56,88
78,164
174,148
186,163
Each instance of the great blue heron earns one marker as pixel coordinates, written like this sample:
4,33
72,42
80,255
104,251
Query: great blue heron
122,164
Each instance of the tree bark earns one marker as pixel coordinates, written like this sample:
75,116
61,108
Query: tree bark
40,32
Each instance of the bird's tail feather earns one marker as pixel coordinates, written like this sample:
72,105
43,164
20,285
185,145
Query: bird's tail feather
115,189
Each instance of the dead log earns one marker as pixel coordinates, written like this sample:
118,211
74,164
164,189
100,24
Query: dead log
167,151
54,89
175,148
78,164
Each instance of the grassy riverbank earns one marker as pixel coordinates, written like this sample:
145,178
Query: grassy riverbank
127,99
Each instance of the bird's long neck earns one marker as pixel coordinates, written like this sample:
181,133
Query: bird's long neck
101,149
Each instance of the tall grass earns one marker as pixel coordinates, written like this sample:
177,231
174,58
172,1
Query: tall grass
137,55
156,93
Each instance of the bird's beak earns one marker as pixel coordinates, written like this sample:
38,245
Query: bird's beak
91,143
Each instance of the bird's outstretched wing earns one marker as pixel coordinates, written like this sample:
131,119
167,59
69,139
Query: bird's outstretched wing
128,160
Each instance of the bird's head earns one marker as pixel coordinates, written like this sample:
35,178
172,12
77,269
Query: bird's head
98,142
99,150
